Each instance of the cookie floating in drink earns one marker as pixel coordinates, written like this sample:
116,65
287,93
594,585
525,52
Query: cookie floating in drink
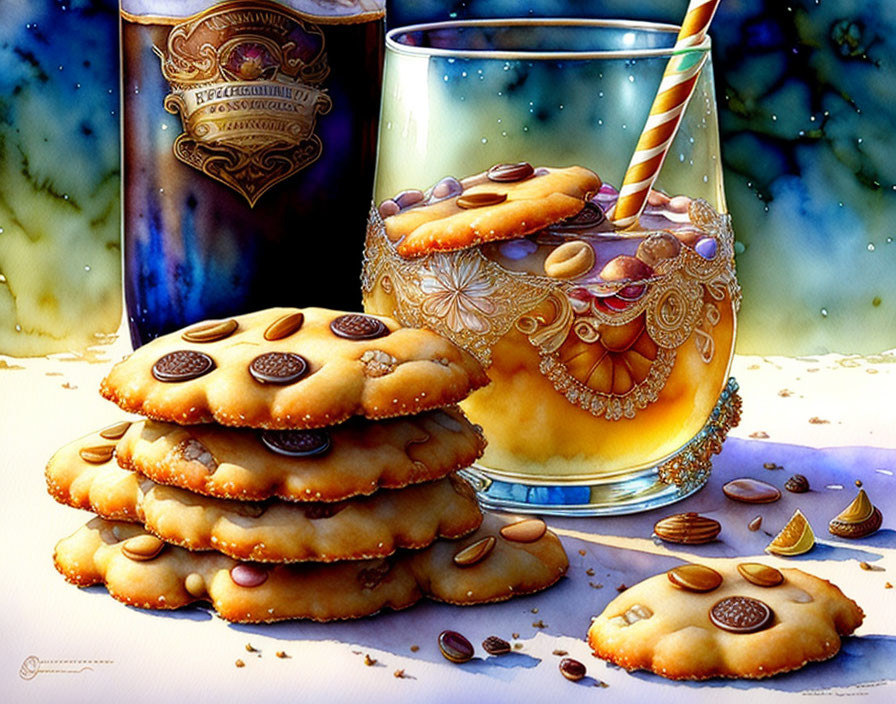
608,349
293,464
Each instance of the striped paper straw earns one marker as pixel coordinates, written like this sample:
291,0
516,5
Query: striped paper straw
672,98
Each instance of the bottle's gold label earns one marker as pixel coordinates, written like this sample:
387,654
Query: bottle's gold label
247,81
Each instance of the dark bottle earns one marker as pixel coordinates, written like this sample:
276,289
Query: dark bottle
249,140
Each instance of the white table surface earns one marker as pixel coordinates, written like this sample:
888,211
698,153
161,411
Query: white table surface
830,418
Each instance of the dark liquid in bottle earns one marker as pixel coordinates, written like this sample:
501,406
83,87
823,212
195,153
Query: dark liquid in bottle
273,212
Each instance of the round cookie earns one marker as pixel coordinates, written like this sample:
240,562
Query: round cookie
492,208
750,626
152,575
270,531
325,369
331,464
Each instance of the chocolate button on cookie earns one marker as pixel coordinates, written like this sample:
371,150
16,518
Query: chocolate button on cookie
182,365
296,443
278,368
355,326
741,614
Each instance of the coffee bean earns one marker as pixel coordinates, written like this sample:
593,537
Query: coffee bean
480,200
210,331
494,645
182,365
625,268
297,443
657,247
741,614
570,260
759,574
249,576
278,368
506,173
354,326
751,491
284,326
455,647
572,669
694,578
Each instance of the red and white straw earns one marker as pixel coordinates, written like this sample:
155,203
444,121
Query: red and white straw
673,95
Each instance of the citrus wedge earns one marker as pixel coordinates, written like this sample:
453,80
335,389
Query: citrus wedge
795,538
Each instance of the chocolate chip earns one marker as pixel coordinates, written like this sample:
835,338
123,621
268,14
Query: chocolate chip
494,645
296,443
589,216
741,614
506,173
372,577
480,200
572,669
455,647
355,326
798,484
284,326
210,331
182,365
278,368
245,575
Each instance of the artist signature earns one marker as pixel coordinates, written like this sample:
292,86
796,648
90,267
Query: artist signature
34,666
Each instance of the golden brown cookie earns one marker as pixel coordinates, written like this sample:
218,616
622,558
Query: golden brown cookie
268,531
140,570
291,368
758,622
489,210
327,464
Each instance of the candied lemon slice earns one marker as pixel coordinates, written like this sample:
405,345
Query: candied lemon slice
795,538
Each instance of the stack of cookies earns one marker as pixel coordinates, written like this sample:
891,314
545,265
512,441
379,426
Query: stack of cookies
293,464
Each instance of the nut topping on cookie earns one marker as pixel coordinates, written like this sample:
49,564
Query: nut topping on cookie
687,528
142,547
504,173
525,531
278,368
695,578
182,365
249,576
475,552
355,326
115,431
296,443
480,200
210,331
741,614
759,574
97,454
284,327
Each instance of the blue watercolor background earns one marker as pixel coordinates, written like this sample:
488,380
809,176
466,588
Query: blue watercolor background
805,90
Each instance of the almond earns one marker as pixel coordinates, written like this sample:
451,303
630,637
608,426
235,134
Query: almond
688,528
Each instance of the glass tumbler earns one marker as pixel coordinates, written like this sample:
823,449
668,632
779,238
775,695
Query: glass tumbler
608,349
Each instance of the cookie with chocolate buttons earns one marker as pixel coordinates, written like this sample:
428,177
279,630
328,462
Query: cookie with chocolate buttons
142,571
265,531
292,368
356,457
734,619
508,201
